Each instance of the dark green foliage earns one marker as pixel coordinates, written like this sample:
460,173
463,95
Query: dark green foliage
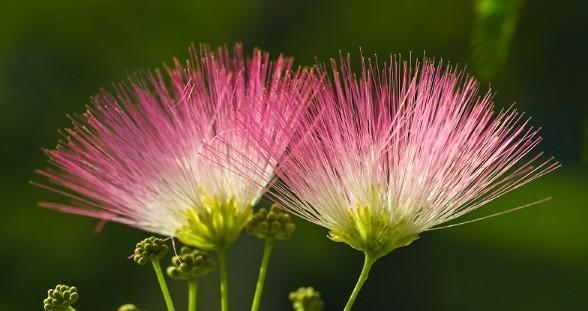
585,144
495,25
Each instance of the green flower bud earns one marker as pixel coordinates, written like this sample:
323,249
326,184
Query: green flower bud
275,224
128,307
190,264
306,299
60,298
151,248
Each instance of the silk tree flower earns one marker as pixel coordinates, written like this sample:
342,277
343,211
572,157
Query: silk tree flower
400,150
136,157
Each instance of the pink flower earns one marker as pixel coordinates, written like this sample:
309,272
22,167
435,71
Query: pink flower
137,157
399,150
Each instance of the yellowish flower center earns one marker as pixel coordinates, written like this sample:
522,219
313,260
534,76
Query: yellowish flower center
375,233
214,226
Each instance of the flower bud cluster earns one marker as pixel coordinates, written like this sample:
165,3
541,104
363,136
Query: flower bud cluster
306,299
128,307
190,264
60,298
275,224
150,249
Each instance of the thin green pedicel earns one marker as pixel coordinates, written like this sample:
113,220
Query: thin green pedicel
267,249
161,279
367,265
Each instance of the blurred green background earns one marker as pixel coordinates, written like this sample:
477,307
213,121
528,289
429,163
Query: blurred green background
55,54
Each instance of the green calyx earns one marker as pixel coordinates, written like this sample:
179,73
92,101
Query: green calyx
275,224
190,264
60,298
150,249
375,233
129,307
306,299
216,225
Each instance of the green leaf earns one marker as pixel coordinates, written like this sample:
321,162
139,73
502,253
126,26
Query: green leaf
494,27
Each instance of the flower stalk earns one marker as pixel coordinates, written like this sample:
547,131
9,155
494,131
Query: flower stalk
190,265
271,225
363,276
152,250
224,279
267,249
192,295
163,285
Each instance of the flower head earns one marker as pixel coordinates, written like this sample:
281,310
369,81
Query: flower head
137,157
400,150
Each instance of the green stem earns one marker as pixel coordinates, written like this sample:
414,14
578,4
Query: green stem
192,292
70,308
224,280
367,265
168,300
267,249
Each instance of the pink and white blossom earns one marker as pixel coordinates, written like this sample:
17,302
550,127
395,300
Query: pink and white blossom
400,149
136,156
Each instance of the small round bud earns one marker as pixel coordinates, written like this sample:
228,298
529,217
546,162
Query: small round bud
306,299
128,307
190,264
151,248
275,224
60,298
